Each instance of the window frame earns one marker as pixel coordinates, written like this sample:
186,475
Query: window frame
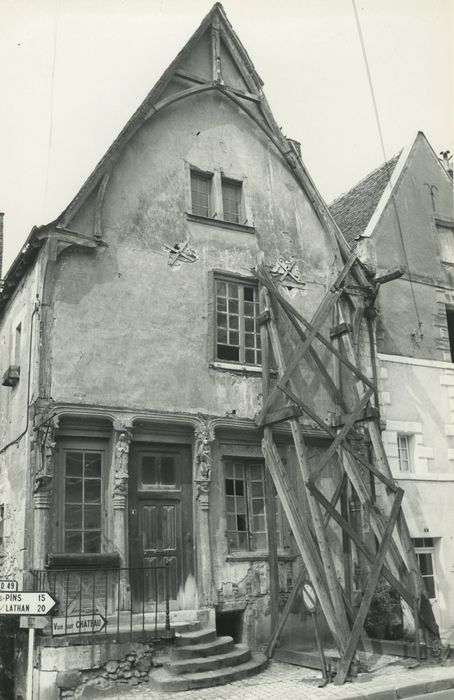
206,177
430,550
246,464
88,445
237,186
408,437
242,282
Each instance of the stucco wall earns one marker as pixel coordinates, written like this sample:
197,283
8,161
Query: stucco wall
132,331
14,423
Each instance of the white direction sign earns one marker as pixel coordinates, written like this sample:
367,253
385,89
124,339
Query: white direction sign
78,624
26,603
8,585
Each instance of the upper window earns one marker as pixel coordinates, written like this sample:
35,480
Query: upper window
231,200
424,549
201,193
82,501
237,331
446,238
404,450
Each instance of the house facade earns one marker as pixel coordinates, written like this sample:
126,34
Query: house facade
401,215
131,356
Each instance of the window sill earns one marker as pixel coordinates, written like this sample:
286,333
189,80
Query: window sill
236,367
258,556
63,560
220,223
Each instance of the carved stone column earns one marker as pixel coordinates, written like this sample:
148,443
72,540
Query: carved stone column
202,469
43,481
119,486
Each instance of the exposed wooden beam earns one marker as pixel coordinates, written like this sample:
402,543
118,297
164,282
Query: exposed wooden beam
366,600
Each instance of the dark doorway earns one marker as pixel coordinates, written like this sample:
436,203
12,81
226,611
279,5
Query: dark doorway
230,624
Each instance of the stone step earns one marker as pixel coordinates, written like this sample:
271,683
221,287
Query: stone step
163,680
195,637
221,645
240,654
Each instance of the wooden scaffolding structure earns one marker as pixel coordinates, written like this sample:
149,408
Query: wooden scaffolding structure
393,557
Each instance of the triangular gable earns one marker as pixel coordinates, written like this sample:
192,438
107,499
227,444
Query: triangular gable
221,63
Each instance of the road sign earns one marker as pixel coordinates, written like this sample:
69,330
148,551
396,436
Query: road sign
309,597
8,585
26,603
78,624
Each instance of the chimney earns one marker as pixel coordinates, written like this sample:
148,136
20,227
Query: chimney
1,242
446,159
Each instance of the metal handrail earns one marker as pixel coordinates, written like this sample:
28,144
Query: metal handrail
128,599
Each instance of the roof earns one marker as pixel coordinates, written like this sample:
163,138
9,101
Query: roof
353,210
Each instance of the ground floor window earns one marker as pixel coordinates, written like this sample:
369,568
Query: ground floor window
82,501
424,548
245,497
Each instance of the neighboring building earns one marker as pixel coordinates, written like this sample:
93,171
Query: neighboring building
410,223
131,359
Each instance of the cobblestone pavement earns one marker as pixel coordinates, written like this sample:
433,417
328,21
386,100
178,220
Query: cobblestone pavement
386,681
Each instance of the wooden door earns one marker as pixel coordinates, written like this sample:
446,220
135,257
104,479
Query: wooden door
160,524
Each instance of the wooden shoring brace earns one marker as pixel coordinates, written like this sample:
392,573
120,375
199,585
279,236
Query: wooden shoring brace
303,537
270,505
345,661
314,327
317,520
351,459
382,460
406,593
318,320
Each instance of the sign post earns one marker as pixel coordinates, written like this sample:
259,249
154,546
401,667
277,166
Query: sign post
14,602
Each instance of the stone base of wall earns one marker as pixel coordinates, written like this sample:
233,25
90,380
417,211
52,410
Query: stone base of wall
84,670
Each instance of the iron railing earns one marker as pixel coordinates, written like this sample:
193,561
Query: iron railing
121,603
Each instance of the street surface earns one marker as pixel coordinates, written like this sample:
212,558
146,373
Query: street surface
286,682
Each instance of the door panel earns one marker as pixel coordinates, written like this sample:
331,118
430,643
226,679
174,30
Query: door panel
160,500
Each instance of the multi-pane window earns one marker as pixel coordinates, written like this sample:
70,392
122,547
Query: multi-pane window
403,447
245,506
201,193
82,501
424,548
237,330
231,200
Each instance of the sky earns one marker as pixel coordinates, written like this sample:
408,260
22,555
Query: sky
72,72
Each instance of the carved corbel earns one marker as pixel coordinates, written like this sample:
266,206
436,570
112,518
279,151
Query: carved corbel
204,436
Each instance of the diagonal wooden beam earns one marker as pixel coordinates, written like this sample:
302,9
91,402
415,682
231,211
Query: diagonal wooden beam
344,664
313,326
406,594
319,529
302,534
345,446
341,435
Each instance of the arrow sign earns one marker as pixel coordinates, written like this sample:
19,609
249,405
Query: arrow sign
25,603
78,624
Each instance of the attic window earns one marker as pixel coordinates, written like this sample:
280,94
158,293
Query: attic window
231,200
446,239
201,193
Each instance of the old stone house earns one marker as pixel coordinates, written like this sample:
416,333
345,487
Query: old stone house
402,215
132,477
